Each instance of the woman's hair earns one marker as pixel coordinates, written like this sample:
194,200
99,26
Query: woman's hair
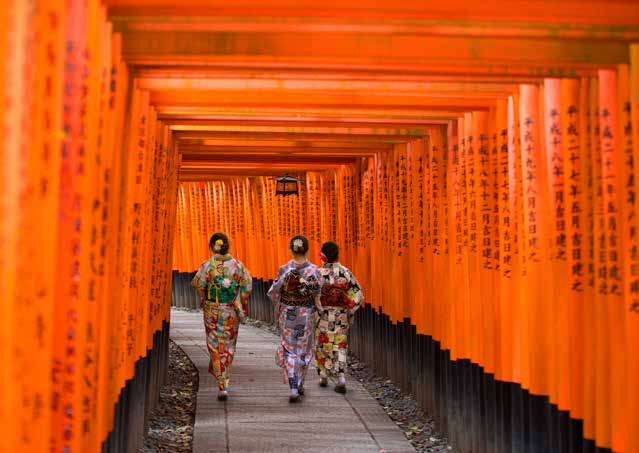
219,243
330,250
298,245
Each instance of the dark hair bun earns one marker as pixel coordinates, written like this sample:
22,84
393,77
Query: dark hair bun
299,245
330,250
219,243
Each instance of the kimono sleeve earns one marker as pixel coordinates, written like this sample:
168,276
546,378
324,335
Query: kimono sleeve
246,286
274,290
354,292
199,281
246,281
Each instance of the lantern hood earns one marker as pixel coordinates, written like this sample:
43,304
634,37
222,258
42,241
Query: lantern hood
286,185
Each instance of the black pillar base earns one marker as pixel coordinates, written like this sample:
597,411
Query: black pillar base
139,397
477,412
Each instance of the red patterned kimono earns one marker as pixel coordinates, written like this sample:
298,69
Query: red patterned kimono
341,296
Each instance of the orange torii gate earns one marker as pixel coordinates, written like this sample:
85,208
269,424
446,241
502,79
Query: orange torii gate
476,162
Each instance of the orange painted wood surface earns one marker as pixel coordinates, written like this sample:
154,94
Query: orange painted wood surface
477,163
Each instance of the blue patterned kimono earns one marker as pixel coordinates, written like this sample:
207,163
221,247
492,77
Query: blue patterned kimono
294,292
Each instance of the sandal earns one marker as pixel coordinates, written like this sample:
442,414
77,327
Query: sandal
340,388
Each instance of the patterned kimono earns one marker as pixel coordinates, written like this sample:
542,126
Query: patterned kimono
226,285
294,292
341,296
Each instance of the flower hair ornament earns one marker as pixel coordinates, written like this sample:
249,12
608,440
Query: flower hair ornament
323,258
218,245
298,245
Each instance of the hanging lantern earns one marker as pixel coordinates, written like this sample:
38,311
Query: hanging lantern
286,185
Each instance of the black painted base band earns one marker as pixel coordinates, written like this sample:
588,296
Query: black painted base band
182,294
478,413
260,306
139,397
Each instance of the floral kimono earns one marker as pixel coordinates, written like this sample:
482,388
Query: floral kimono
341,296
294,291
226,286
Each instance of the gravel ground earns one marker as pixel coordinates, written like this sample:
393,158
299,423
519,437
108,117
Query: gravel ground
419,428
171,423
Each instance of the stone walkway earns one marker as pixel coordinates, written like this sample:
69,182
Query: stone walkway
258,417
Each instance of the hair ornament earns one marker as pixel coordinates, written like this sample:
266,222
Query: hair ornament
297,244
218,245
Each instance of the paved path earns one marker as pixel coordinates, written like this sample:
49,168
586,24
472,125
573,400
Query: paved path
258,417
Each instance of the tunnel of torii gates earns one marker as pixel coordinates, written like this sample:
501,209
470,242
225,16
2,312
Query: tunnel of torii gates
476,161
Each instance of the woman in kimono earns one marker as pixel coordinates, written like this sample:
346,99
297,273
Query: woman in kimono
295,292
224,285
340,298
